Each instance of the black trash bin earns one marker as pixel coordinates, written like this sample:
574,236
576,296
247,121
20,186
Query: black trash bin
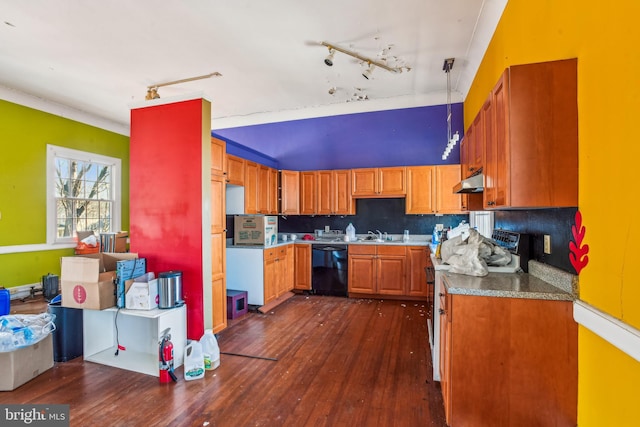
67,338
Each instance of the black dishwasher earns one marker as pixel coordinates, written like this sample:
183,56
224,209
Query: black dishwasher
329,266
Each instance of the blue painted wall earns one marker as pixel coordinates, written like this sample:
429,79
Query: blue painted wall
405,137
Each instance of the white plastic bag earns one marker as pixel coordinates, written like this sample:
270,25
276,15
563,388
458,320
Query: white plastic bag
210,350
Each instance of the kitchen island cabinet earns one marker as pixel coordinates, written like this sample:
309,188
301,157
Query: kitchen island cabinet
507,361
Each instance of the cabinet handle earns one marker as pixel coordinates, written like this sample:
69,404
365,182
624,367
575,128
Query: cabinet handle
441,294
442,312
491,203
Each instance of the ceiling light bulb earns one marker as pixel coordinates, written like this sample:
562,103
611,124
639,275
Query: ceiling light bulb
329,59
367,72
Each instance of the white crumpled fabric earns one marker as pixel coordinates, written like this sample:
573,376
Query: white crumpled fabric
473,256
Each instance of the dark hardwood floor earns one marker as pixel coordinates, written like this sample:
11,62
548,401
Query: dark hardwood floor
340,362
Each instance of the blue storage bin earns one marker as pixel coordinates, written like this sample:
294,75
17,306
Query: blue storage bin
5,301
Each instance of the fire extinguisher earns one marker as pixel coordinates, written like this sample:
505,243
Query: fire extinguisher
165,355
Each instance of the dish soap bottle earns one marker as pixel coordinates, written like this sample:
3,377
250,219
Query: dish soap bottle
351,233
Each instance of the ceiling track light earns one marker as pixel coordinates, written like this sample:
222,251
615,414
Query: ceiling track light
329,59
152,91
369,61
367,73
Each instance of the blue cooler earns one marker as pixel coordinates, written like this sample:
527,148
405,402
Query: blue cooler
5,301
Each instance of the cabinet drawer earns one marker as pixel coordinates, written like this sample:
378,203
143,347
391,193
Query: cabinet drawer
392,250
270,253
282,251
362,249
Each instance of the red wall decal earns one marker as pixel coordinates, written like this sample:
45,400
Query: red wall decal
578,252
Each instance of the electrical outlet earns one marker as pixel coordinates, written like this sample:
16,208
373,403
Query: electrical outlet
439,227
547,244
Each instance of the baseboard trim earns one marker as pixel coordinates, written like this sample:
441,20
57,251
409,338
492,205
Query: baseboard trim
623,336
23,291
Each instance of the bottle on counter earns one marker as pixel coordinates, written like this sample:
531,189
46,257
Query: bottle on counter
351,233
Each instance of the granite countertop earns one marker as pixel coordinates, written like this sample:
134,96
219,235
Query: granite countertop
542,282
416,240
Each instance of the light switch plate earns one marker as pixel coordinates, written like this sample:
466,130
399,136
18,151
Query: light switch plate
547,244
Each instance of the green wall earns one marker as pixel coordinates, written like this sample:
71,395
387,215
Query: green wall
24,135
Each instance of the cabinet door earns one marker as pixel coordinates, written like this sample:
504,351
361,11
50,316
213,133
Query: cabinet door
447,201
235,170
420,184
308,185
324,193
418,259
270,279
496,123
476,146
251,188
218,156
218,282
362,274
218,210
392,182
465,143
364,182
263,189
342,201
290,184
302,269
391,264
273,192
289,268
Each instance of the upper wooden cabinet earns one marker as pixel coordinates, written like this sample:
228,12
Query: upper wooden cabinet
308,193
378,182
472,148
430,190
334,192
218,156
273,204
235,170
289,192
251,188
531,137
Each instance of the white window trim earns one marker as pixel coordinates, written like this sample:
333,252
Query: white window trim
54,151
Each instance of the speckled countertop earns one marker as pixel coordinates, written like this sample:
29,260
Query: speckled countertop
543,282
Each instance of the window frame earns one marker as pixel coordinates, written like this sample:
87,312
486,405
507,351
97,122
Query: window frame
53,152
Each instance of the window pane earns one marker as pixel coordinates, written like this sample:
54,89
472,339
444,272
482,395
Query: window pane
91,172
91,189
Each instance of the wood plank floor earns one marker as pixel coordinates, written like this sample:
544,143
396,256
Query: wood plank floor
340,362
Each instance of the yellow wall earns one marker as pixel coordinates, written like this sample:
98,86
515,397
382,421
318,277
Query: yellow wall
604,36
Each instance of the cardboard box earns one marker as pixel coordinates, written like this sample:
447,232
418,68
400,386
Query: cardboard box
87,281
24,364
256,230
142,292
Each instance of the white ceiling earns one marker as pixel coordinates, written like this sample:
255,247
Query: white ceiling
95,60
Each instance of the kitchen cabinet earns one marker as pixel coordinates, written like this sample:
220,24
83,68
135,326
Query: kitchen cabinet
472,148
430,190
218,156
290,192
302,270
263,190
218,249
235,170
377,269
417,260
378,182
531,137
308,195
334,192
251,188
273,205
508,361
278,272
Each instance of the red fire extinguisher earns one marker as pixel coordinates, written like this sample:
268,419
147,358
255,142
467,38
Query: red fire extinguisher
165,355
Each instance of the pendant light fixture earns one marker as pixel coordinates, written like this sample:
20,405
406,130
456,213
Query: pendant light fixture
452,140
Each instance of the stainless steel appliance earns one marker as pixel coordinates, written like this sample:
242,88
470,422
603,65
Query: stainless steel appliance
329,269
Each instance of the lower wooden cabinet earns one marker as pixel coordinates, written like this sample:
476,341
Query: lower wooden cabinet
218,282
388,270
302,269
278,272
508,361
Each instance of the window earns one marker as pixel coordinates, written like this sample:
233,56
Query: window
83,193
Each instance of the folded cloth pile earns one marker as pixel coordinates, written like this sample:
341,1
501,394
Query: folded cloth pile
473,255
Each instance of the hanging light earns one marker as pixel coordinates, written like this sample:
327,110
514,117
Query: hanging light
451,139
329,59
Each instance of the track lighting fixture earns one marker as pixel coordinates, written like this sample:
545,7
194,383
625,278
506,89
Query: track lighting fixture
152,91
367,73
372,62
329,59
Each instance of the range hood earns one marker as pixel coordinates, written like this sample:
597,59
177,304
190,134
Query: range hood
473,184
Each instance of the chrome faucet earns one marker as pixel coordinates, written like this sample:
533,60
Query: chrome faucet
379,234
372,233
